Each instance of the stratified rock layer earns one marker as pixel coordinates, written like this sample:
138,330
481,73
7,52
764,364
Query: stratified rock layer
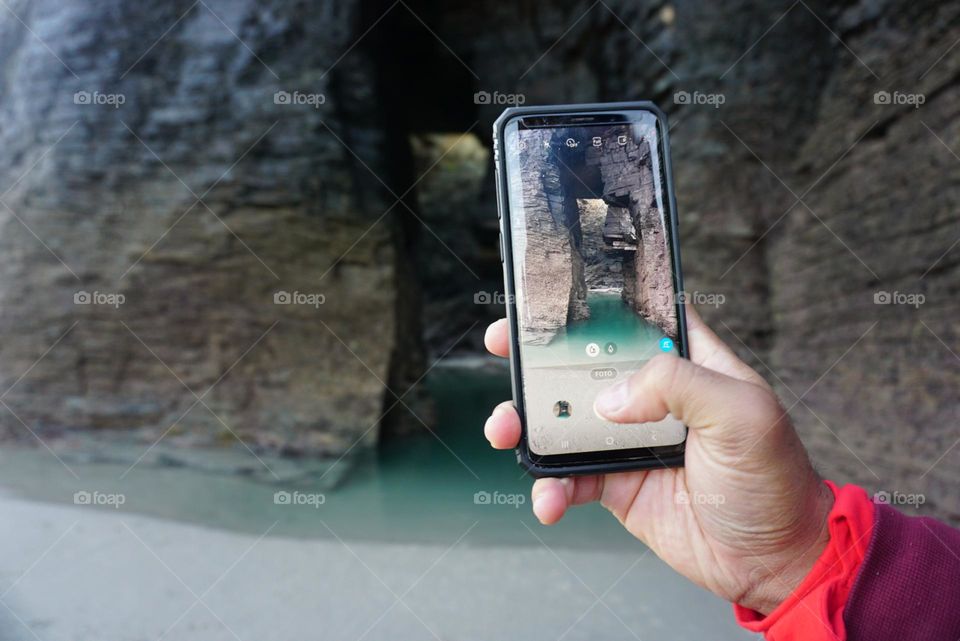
572,243
800,118
608,234
234,201
551,278
626,175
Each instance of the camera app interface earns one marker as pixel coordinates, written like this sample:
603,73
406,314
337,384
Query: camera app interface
593,273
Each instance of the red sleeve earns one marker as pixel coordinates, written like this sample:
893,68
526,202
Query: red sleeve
814,611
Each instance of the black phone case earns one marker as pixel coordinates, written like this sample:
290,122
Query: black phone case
661,457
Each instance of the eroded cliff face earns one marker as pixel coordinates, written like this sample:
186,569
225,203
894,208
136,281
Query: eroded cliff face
608,233
626,175
236,204
799,119
591,220
552,277
878,212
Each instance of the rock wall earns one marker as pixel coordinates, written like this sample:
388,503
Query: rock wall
564,244
792,286
603,225
209,167
626,173
877,232
552,276
812,187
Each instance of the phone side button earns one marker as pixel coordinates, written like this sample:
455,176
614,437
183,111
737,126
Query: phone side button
500,246
496,173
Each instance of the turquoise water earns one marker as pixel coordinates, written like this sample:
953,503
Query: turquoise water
610,322
415,489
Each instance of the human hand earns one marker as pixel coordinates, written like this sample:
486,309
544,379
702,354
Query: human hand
745,517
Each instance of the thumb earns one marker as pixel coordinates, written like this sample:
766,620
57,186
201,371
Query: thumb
699,397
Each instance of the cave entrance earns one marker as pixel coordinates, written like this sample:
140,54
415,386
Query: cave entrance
424,116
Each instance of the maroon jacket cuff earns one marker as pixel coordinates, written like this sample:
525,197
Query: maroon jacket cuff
908,586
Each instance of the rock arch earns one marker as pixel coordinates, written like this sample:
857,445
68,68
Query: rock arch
593,220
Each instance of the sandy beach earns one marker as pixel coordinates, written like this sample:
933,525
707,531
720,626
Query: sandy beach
199,548
81,573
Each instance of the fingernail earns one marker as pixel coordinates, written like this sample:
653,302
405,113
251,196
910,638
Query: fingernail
486,428
537,503
500,409
612,400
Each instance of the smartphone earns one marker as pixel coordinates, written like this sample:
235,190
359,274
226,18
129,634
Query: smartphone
591,261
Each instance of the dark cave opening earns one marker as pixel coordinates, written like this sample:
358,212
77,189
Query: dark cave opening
424,91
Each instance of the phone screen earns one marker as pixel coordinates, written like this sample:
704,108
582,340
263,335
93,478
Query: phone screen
593,274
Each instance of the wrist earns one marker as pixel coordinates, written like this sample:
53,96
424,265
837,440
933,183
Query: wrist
815,609
778,575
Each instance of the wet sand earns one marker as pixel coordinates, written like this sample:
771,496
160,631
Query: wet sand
78,573
329,571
